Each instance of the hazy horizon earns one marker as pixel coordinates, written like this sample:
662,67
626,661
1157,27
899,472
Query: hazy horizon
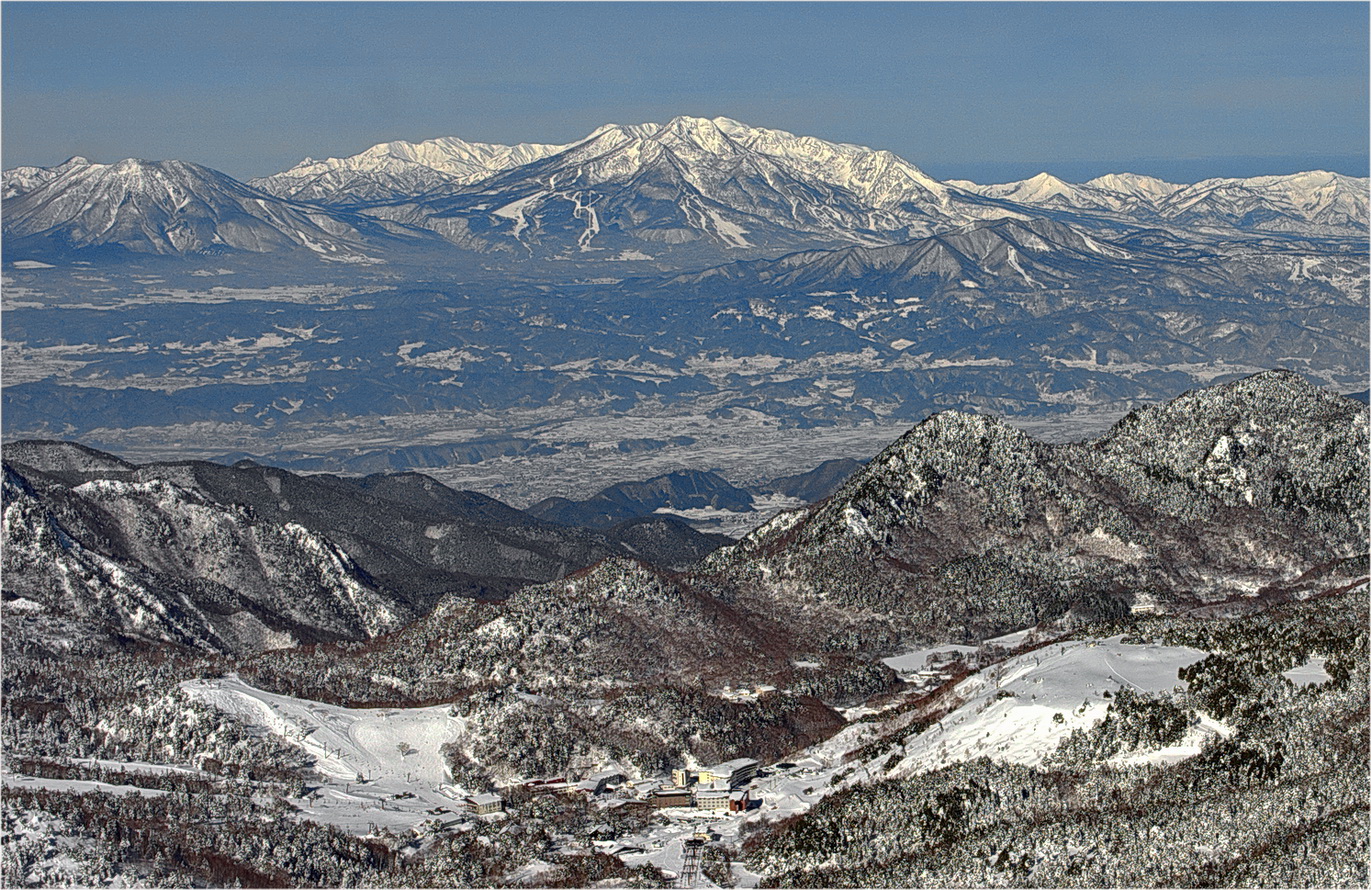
983,91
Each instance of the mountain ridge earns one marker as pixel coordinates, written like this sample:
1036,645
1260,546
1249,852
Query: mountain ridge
178,208
691,186
237,558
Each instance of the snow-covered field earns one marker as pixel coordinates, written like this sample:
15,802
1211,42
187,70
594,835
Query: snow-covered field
77,786
911,663
382,767
1010,711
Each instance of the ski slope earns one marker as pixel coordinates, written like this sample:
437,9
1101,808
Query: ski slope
1010,711
381,766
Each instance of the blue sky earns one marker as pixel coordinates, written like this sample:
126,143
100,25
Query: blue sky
984,91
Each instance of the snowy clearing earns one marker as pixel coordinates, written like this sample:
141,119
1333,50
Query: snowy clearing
79,786
1020,710
911,663
395,752
1311,673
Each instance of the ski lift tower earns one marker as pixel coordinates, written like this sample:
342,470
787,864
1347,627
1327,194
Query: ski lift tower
690,868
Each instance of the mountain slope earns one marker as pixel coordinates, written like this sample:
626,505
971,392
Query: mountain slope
154,561
648,187
682,490
245,557
966,527
393,170
20,180
1006,253
816,484
175,207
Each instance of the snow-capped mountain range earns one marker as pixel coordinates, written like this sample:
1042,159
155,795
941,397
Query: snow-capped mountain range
1303,203
399,169
1120,192
176,207
691,187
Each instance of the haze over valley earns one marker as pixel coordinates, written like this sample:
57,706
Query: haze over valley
163,310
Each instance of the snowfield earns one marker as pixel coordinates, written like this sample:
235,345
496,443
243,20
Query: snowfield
368,757
1020,710
910,664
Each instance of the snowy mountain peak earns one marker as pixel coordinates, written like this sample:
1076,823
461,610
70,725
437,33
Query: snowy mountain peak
1043,188
177,207
698,132
389,170
1147,187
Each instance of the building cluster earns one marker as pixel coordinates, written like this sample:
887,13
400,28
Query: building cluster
746,694
600,782
720,789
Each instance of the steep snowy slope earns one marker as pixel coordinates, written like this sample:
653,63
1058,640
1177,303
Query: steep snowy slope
152,561
19,180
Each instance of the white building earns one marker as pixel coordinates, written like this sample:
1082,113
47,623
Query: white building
485,804
713,796
734,772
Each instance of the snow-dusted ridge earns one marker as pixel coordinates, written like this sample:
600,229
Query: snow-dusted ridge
689,182
398,169
176,207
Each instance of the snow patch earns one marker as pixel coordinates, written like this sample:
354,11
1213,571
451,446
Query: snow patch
1311,673
382,766
914,661
515,211
1019,711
